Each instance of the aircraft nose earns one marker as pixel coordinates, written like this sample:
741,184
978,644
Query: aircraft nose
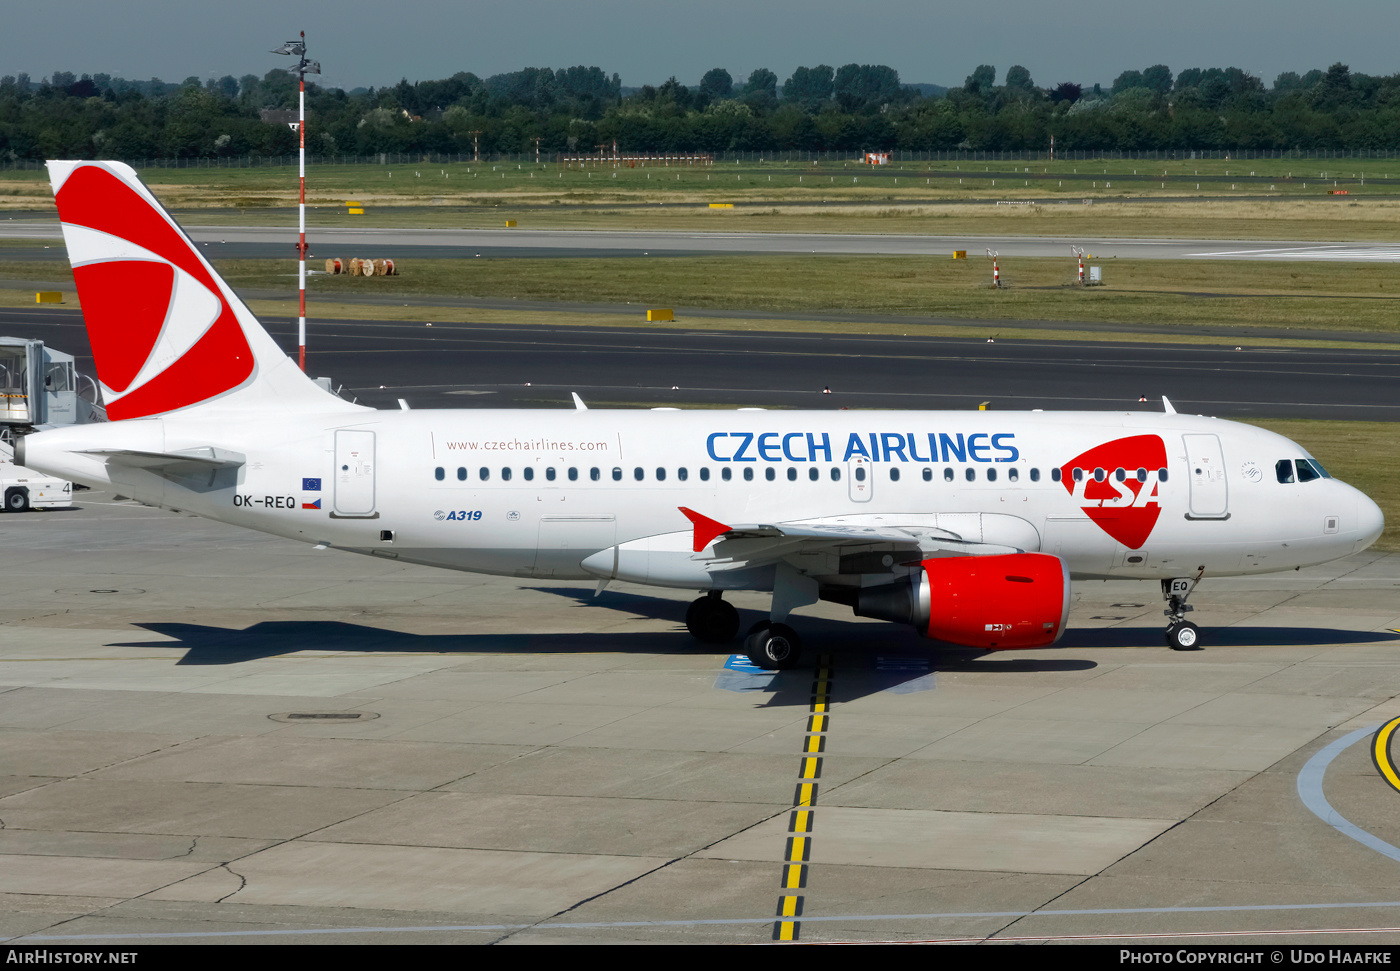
1370,522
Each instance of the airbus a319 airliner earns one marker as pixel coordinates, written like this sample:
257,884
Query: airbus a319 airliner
969,526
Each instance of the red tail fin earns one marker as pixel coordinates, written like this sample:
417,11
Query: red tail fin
166,331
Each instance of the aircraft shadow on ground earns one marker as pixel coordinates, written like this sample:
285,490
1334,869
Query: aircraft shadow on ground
1226,637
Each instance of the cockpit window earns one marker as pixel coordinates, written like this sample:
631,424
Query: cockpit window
1306,473
1283,468
1317,467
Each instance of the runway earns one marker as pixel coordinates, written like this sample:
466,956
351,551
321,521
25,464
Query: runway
214,736
500,366
256,242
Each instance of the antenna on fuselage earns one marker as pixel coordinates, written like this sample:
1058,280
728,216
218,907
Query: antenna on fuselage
580,406
1167,406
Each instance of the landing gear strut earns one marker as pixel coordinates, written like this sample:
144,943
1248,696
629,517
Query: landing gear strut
712,620
1181,634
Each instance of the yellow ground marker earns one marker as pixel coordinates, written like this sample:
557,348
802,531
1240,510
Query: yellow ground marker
48,296
661,313
803,818
1380,753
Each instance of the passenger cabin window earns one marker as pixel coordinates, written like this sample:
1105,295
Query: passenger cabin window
835,475
573,474
705,474
948,474
461,474
1055,475
1013,474
682,474
485,473
770,474
726,473
617,474
439,473
595,473
1035,475
894,475
639,473
528,473
813,474
792,473
860,473
991,475
549,473
748,474
660,475
928,475
505,475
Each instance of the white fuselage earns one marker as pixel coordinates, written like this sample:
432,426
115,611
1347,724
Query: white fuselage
536,493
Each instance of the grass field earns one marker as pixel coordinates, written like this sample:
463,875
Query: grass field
1274,297
1275,199
1351,297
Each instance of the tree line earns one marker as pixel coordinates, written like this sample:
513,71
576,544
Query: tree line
583,110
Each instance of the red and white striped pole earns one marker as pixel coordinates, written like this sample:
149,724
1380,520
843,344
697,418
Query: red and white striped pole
996,271
1079,253
304,67
301,213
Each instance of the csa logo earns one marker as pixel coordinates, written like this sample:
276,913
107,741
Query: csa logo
1127,510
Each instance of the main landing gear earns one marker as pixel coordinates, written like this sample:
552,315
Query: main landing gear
1181,634
773,646
712,620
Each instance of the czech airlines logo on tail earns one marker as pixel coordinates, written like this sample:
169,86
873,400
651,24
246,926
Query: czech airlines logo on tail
1125,508
163,332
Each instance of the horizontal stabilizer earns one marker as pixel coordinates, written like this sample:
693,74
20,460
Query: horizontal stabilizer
203,459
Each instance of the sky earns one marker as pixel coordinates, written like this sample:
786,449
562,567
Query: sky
374,43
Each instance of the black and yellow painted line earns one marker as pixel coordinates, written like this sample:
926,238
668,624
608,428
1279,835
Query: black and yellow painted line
1381,755
799,842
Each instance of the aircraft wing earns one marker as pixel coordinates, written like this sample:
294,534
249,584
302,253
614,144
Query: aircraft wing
819,548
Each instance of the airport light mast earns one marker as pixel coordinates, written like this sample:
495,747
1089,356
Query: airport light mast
303,68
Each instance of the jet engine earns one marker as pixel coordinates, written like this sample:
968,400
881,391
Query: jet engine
1016,600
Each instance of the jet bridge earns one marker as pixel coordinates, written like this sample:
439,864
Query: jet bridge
40,388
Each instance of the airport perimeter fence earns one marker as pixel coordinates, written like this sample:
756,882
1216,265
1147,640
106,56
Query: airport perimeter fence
756,158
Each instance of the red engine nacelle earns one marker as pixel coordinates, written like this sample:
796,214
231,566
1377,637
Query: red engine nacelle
1017,600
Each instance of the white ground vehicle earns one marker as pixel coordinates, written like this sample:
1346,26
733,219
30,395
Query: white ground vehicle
26,489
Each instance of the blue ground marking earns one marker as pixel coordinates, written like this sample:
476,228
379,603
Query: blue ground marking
741,674
1310,791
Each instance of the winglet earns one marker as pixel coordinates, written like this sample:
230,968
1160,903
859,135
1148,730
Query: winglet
706,529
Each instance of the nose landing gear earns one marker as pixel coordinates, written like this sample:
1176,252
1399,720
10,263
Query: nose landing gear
1181,634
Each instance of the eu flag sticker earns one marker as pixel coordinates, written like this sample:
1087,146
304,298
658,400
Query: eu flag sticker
310,485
